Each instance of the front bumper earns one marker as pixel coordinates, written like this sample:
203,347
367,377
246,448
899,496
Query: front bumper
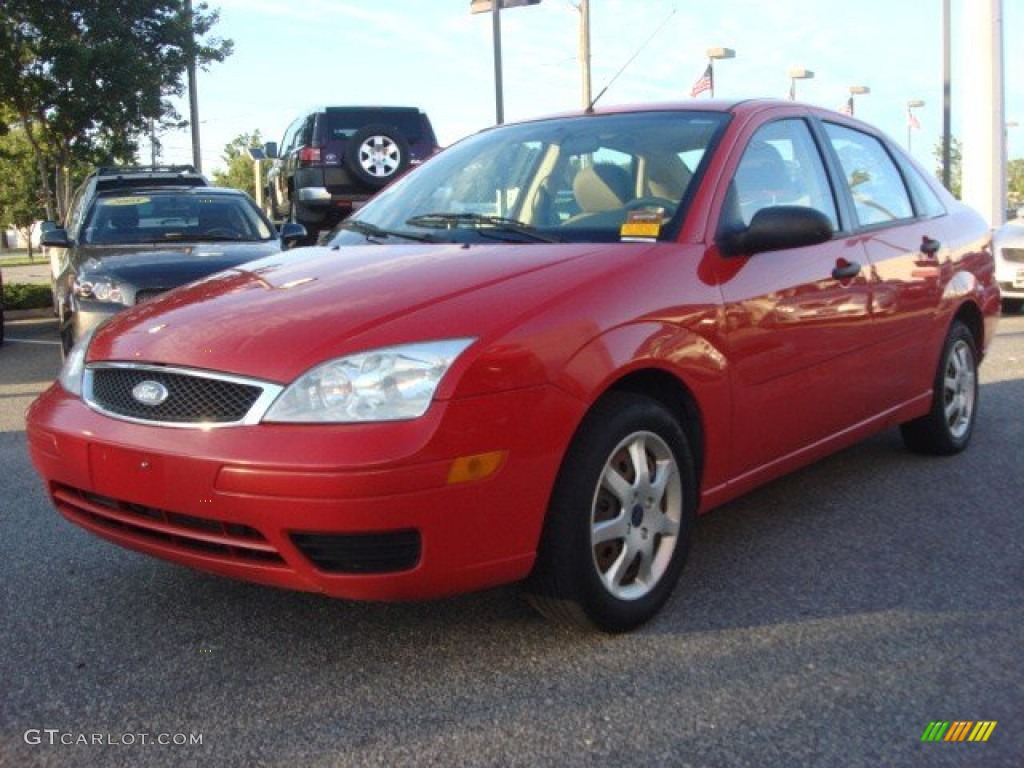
353,511
1010,276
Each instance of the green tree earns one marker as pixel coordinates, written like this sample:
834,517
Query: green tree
1015,183
20,200
239,173
955,164
85,80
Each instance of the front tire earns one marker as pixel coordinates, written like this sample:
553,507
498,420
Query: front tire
946,429
620,521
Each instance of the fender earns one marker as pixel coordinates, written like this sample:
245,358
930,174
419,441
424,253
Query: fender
693,361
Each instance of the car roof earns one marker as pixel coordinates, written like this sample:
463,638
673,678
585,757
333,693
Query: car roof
359,108
165,189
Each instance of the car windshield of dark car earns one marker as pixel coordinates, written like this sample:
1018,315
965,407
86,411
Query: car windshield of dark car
159,218
597,178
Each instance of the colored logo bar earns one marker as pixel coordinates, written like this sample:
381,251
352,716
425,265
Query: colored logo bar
958,730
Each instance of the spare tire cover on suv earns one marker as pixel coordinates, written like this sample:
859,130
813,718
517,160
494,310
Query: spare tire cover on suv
376,154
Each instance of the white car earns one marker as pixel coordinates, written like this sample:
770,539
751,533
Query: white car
1008,245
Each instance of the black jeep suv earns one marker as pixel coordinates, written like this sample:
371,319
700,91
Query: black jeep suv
333,159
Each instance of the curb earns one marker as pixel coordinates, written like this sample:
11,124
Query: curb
28,314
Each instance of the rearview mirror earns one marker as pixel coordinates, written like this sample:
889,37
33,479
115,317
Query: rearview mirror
777,228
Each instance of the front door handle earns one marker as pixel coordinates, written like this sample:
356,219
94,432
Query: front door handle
844,270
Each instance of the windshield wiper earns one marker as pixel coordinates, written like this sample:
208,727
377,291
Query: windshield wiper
372,230
480,221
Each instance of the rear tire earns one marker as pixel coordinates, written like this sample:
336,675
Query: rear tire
947,428
620,521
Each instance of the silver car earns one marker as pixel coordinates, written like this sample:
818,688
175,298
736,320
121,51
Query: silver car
1008,245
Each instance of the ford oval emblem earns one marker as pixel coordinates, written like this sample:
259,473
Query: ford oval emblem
151,393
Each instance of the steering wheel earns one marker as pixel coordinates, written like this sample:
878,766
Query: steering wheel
652,202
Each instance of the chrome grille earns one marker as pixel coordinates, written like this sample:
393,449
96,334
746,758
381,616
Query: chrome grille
194,398
1013,254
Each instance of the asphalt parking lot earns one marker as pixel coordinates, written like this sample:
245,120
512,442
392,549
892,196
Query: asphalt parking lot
823,620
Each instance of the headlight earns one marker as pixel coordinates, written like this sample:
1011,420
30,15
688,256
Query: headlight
74,366
98,288
389,384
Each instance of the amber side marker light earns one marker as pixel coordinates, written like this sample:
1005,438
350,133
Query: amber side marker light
467,469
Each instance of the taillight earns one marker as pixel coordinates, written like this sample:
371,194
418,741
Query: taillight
309,155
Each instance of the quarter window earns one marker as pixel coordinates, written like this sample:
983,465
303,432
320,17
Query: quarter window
875,183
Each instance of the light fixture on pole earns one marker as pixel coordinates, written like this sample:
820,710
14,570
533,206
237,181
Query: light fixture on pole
797,74
717,53
912,123
494,8
258,156
856,90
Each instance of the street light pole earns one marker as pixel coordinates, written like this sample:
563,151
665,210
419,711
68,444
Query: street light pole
494,8
947,178
797,74
857,90
912,121
584,8
193,96
718,53
499,98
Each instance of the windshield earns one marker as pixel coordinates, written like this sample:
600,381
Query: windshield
161,217
581,179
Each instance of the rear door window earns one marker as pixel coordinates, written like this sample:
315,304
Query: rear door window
875,183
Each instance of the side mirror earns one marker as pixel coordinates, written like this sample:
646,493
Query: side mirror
55,237
777,228
270,149
291,234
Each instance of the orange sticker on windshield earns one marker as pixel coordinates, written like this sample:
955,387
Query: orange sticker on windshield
643,224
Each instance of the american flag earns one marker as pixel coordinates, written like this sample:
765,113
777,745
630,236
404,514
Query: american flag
847,108
704,83
912,121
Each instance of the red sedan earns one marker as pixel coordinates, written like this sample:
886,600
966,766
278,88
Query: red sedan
535,358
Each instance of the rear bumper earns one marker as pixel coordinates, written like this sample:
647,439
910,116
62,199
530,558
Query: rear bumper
314,196
296,506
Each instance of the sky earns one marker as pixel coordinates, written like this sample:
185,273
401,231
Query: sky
435,55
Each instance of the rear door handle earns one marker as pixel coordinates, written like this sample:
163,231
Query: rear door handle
844,269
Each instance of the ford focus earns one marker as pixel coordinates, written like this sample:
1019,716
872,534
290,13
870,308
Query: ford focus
537,358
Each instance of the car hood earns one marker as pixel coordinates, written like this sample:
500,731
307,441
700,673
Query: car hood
169,266
1010,233
278,317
